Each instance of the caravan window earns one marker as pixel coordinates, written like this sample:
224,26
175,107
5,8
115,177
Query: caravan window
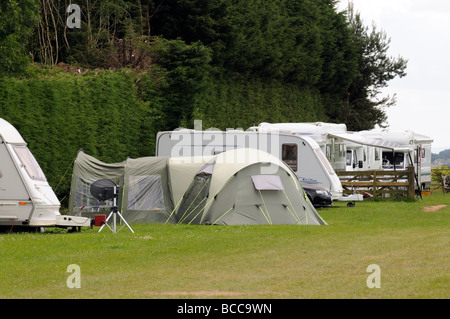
328,152
377,154
349,159
324,161
420,156
389,159
29,163
289,155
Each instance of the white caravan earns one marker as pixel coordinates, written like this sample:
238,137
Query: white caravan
333,147
301,153
366,150
409,148
345,150
26,198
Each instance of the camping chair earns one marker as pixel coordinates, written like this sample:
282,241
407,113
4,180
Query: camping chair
445,183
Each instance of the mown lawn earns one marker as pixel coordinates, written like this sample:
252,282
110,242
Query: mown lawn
410,246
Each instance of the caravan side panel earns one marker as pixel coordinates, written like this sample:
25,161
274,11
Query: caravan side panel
426,166
11,185
15,204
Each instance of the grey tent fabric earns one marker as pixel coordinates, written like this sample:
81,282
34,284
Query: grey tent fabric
207,169
86,171
240,203
246,187
267,182
236,187
194,200
146,190
144,193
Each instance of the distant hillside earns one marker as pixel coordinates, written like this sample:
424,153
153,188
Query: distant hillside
443,158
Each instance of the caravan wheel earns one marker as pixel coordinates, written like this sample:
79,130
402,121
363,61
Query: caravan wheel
74,229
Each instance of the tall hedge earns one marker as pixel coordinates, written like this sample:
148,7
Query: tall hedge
237,101
116,114
60,113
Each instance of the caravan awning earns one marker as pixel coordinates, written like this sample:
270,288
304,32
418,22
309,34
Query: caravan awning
370,141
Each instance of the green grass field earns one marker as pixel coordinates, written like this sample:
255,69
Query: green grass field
410,246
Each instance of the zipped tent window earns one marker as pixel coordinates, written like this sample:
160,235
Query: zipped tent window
84,199
289,155
267,182
29,162
145,193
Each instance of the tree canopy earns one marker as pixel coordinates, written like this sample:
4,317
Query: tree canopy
17,21
134,68
305,43
364,107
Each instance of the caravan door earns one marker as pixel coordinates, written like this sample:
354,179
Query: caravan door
394,160
14,199
351,160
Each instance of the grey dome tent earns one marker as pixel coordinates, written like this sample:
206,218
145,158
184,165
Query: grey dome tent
246,186
242,186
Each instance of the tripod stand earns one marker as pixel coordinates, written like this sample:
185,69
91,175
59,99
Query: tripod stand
113,214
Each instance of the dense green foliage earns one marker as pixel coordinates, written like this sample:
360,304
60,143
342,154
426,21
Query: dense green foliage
293,41
17,18
57,114
237,101
363,107
134,68
303,43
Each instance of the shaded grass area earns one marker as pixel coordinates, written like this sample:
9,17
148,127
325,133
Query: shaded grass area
411,247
